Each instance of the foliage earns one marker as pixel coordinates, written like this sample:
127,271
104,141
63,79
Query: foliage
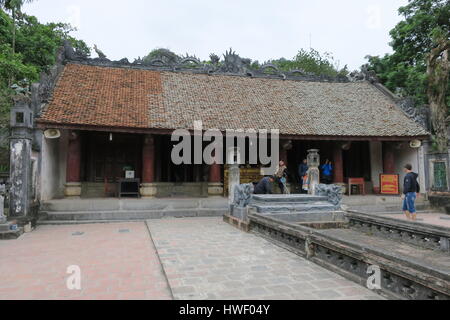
312,61
36,45
166,55
404,71
309,61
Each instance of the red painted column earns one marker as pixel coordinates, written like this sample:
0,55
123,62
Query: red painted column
73,158
214,172
338,164
148,159
388,158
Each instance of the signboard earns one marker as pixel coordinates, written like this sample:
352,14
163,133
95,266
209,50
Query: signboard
389,184
129,174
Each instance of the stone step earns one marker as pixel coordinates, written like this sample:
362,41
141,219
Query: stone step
307,216
299,198
282,207
129,214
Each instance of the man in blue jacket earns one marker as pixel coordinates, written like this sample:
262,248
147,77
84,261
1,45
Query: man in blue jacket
411,190
327,172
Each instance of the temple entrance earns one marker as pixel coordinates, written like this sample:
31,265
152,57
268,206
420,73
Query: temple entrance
105,159
357,160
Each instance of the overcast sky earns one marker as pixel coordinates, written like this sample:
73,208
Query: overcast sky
260,30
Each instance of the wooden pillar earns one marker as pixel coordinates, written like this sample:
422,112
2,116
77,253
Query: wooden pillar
73,167
214,172
148,159
338,164
215,187
388,158
148,188
73,158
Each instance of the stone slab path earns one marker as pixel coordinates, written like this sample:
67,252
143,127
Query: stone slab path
116,260
205,258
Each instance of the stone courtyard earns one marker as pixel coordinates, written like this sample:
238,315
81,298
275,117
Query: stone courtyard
174,258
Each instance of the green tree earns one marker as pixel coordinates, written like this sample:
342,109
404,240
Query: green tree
166,55
419,66
312,61
14,6
35,51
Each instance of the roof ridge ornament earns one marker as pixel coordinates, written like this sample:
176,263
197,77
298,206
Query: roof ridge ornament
232,64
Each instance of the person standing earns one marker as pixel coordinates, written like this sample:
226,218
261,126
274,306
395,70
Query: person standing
411,190
327,172
280,176
302,173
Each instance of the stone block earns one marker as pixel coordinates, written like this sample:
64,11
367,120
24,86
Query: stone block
148,190
72,189
215,189
240,213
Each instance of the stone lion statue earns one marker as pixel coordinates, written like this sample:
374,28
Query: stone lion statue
332,191
242,194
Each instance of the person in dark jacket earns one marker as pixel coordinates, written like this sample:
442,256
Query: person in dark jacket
327,172
264,186
302,170
411,190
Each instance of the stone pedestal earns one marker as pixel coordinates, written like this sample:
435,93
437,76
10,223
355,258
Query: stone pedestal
20,174
215,189
72,189
148,190
233,180
240,213
2,205
313,161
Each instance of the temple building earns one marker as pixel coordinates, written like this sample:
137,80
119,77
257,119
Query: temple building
112,117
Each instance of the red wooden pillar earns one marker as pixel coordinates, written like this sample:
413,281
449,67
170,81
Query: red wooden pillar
73,158
148,159
388,158
338,164
214,172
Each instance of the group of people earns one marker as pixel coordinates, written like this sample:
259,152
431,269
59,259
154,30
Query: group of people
411,187
326,176
265,184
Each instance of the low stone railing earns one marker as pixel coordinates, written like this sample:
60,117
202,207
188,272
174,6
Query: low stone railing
425,236
400,279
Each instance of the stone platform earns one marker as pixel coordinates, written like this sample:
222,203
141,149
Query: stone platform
113,209
414,258
293,203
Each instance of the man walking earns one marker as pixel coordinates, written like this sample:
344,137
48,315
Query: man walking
411,190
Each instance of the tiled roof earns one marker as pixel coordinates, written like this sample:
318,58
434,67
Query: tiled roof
135,98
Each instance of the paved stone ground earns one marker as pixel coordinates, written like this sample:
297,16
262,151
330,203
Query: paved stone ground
205,258
117,261
438,219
